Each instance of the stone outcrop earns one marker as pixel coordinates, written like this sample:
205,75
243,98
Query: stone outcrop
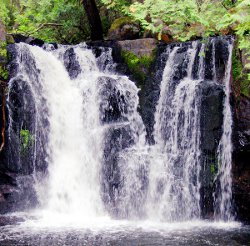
140,47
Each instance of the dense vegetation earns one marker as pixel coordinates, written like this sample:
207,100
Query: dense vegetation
191,19
65,21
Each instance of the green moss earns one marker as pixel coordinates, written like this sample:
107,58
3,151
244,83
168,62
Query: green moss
212,169
240,76
3,50
236,66
245,87
138,66
3,58
10,39
26,140
4,72
120,22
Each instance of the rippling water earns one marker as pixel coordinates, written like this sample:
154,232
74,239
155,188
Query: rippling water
35,231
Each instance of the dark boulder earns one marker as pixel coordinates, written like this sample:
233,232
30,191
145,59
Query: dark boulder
18,38
71,63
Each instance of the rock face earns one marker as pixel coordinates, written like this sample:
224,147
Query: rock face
140,47
241,157
211,132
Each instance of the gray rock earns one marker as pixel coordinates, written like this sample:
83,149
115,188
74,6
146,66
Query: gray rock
140,47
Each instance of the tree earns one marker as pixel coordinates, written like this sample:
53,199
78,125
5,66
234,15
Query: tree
62,21
94,19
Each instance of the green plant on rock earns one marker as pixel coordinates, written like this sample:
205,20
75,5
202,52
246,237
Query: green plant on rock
3,50
239,75
212,169
4,72
138,66
26,139
3,59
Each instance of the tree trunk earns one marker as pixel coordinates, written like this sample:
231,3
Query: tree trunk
94,19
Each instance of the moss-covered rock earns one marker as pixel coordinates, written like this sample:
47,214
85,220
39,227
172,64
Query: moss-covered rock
138,65
124,28
10,39
26,140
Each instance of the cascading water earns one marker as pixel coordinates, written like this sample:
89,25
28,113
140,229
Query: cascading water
174,186
84,128
163,181
223,199
76,111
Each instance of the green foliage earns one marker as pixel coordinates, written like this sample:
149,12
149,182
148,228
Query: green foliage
138,65
238,19
245,87
4,74
189,19
26,140
212,169
64,21
3,54
236,66
239,75
51,20
7,12
3,50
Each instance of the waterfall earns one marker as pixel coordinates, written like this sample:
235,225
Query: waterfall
223,199
72,92
78,131
174,177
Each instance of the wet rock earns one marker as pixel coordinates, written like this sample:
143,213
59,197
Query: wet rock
71,63
211,131
241,157
10,220
211,116
18,38
17,194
